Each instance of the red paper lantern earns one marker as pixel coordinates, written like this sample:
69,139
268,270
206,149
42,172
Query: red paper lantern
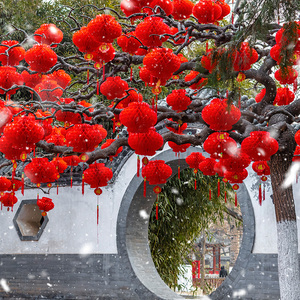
236,177
104,53
284,97
48,34
56,139
244,57
149,79
261,168
149,31
207,11
162,63
178,100
104,28
180,127
5,116
5,184
178,148
113,87
207,167
61,77
40,170
84,137
107,143
129,43
297,137
210,60
31,80
260,95
9,150
145,143
14,54
8,200
198,85
84,41
237,162
24,132
165,5
138,117
41,58
59,164
220,145
72,160
219,116
9,77
194,159
225,9
97,175
259,145
182,9
176,38
49,90
68,116
156,172
219,168
286,75
45,204
132,96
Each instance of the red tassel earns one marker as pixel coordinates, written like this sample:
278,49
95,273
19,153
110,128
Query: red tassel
103,71
264,193
156,103
225,196
56,188
37,196
239,102
227,94
235,199
130,74
178,172
88,76
97,210
218,187
206,46
195,184
145,185
82,184
22,183
138,166
97,87
209,194
259,195
71,176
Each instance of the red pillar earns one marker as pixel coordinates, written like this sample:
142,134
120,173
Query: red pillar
219,258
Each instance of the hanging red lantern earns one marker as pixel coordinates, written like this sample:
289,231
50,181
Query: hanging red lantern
286,75
113,87
177,40
261,168
10,152
162,63
104,28
130,7
132,96
84,41
165,5
41,58
97,175
5,116
49,90
61,77
219,115
56,138
194,159
8,200
14,53
72,160
236,177
68,116
40,170
150,30
129,43
156,172
207,11
284,97
31,80
5,184
45,204
244,57
9,77
259,145
236,162
207,167
138,117
59,164
182,9
84,137
145,143
198,85
104,53
260,95
219,168
24,132
48,34
225,9
178,100
220,145
180,127
149,79
210,60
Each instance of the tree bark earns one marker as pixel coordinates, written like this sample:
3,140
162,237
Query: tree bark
287,237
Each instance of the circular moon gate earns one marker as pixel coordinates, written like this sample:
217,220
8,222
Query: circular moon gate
132,236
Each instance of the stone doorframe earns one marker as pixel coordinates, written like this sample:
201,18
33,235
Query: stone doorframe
132,233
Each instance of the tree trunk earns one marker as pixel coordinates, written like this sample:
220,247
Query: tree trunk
287,237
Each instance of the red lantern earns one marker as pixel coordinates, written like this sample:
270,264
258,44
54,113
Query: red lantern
48,34
156,172
97,175
260,95
61,77
244,57
150,30
145,143
219,168
210,60
149,79
113,87
286,75
8,200
236,162
261,168
56,138
45,204
5,116
297,137
178,100
138,117
84,41
68,116
40,170
132,96
84,137
198,85
9,150
129,43
107,143
41,58
180,127
165,5
24,132
259,145
207,167
225,9
104,28
5,184
207,11
182,9
59,164
49,90
236,177
220,145
194,159
14,53
72,160
219,115
162,63
104,53
9,77
284,97
31,80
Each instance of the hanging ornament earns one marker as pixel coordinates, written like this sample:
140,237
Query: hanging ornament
48,34
235,188
113,87
11,53
178,100
45,204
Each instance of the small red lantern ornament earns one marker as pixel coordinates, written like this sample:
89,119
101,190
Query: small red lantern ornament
5,184
129,43
259,145
9,150
207,167
41,58
237,162
113,87
244,57
45,204
8,200
286,75
235,187
209,61
178,148
72,161
178,100
49,90
48,34
138,117
104,53
193,160
84,41
261,168
182,9
207,11
219,116
14,53
9,77
61,77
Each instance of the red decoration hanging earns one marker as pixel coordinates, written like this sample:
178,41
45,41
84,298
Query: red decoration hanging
138,117
210,60
244,57
11,153
14,53
149,79
219,115
31,80
59,164
129,43
61,77
225,9
113,87
6,116
104,53
207,11
48,34
236,162
259,145
49,90
194,159
286,75
207,167
236,177
84,41
156,172
178,100
45,204
5,184
165,5
107,143
67,116
9,77
182,9
178,148
8,200
97,175
261,168
179,128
